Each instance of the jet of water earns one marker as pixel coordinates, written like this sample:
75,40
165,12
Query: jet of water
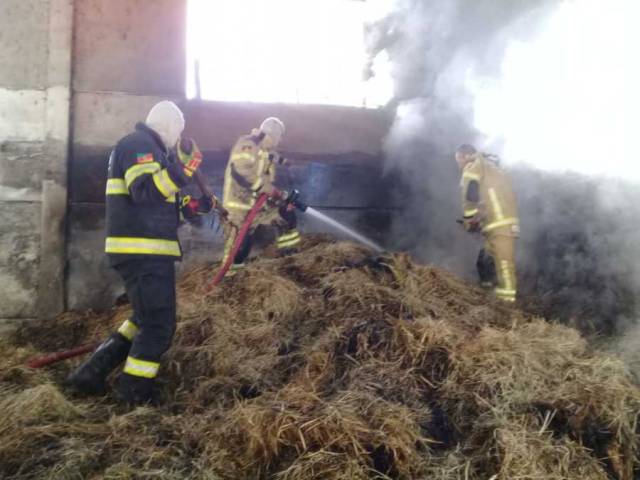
344,229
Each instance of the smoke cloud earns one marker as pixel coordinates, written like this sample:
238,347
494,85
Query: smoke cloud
578,256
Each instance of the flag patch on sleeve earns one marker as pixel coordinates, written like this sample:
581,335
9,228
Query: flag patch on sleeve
145,157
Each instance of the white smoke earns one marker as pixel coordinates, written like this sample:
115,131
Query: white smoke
450,61
565,100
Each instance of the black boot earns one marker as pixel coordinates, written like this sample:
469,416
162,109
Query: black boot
133,391
486,267
90,377
285,252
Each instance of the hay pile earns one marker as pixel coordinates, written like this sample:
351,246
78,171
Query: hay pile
332,364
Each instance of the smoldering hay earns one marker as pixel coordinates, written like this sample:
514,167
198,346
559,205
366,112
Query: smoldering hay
332,363
578,248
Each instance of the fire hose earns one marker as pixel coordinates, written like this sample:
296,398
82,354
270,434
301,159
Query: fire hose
290,199
56,357
242,233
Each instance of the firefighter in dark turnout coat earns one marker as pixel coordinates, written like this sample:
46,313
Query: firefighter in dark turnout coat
142,210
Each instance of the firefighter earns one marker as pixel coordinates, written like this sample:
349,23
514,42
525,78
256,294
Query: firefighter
489,206
142,215
250,171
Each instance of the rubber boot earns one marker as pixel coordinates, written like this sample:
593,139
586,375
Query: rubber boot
134,391
486,269
90,378
285,252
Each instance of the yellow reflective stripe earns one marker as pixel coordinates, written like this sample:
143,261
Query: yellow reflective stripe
135,171
497,208
288,236
504,266
235,268
150,246
501,223
141,368
262,155
505,294
237,205
257,185
470,213
171,199
290,243
226,189
227,249
471,176
505,291
116,186
164,184
242,156
128,329
289,239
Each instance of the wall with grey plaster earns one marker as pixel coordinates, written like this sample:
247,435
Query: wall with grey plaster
34,53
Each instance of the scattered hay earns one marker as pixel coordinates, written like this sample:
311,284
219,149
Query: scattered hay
332,364
555,458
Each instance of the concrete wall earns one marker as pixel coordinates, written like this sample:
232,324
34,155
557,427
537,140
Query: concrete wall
35,53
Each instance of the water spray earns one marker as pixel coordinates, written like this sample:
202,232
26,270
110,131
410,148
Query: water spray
344,229
293,198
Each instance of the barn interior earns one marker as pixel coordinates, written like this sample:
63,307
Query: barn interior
376,95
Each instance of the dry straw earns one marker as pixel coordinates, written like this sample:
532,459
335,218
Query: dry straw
331,364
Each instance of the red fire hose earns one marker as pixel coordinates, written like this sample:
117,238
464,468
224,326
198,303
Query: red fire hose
242,233
56,357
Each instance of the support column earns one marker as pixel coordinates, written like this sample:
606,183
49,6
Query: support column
51,291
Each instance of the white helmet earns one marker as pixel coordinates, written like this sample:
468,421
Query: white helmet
166,119
273,127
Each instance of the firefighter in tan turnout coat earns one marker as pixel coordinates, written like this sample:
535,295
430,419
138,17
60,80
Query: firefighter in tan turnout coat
489,206
252,170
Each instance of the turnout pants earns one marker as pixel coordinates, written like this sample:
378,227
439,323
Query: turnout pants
285,222
496,264
151,288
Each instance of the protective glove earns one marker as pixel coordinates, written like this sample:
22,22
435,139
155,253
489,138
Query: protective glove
278,159
189,155
192,208
217,206
471,225
276,198
222,212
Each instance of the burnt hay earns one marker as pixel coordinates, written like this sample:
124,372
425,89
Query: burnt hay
331,364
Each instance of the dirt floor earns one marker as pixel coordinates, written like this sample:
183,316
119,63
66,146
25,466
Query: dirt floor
331,364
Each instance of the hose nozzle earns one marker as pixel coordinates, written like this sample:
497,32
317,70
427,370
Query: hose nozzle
294,199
